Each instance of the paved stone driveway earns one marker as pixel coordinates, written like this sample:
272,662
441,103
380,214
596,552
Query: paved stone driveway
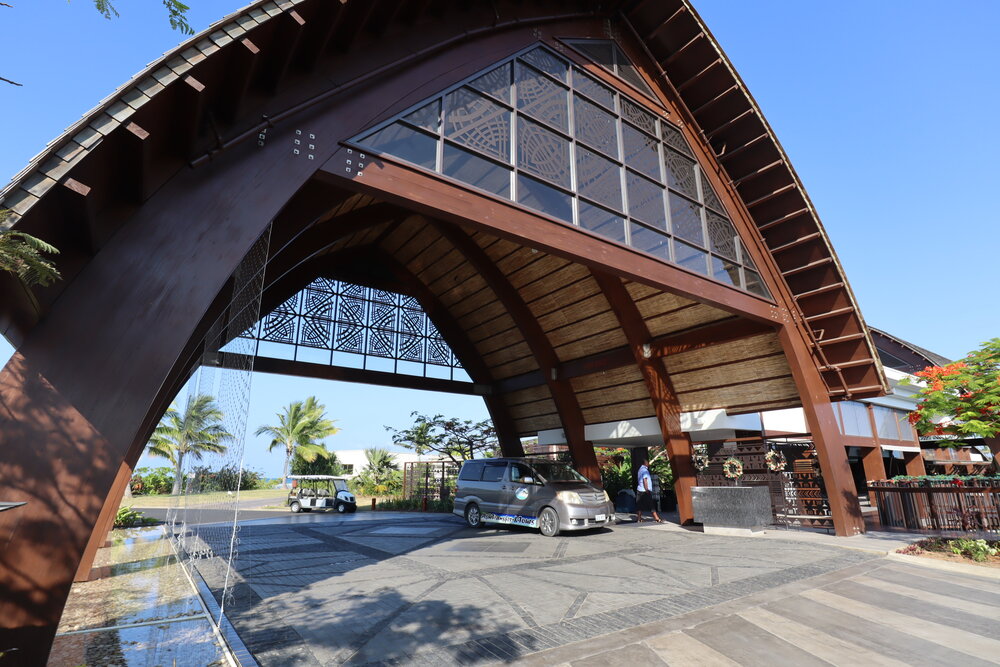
424,589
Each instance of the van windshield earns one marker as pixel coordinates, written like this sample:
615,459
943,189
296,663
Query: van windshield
340,484
558,472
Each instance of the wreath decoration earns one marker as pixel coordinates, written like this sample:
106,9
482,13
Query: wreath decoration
732,468
700,461
776,461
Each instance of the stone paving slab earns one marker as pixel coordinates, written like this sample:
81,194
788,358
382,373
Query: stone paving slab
402,591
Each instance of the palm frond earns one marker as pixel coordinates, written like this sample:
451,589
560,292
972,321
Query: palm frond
21,254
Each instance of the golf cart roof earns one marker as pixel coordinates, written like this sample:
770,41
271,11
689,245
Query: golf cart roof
316,477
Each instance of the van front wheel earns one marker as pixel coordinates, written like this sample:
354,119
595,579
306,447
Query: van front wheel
473,516
548,522
295,507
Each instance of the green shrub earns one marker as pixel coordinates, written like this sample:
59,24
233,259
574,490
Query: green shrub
152,481
400,504
226,478
128,517
977,550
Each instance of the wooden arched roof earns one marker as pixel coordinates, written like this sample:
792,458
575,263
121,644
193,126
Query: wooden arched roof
273,61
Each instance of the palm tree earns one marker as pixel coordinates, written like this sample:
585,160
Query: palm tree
299,429
20,254
195,432
381,475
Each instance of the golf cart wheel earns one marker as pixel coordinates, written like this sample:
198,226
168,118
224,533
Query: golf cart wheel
548,522
295,507
341,508
472,516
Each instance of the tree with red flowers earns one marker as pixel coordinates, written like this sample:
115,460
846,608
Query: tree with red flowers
963,399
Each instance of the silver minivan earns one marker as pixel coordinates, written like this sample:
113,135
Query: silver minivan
535,492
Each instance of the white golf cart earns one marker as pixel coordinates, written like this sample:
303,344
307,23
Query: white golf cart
320,492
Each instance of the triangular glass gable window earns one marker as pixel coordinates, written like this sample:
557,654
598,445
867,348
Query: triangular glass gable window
538,131
336,323
609,55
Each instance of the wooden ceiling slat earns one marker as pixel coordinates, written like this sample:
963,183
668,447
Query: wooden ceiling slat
765,391
529,395
591,306
564,297
535,424
518,367
756,346
581,348
621,393
767,367
513,352
402,236
684,319
651,305
537,267
583,329
619,411
564,276
424,238
539,409
605,379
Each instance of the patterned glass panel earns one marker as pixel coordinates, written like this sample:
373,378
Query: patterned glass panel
680,174
598,50
405,143
411,322
495,82
595,126
542,99
476,171
542,152
479,123
725,272
350,338
535,194
279,325
721,236
638,116
593,89
648,240
645,201
602,222
628,72
708,194
315,332
427,117
472,124
673,138
754,283
641,152
544,60
690,258
411,348
685,219
598,179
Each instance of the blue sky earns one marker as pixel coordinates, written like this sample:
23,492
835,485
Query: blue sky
883,107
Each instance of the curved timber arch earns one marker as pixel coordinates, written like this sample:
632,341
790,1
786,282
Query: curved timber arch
156,197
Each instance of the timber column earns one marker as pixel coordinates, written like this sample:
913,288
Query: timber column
837,477
661,390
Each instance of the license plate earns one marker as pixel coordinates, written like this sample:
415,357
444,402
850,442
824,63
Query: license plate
600,517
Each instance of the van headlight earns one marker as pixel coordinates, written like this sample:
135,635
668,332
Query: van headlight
571,497
607,498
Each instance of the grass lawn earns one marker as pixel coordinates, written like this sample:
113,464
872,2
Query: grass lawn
214,498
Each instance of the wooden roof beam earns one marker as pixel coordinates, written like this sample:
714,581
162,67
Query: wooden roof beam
759,172
139,158
697,77
663,25
661,390
726,155
80,208
729,123
783,219
240,73
541,348
192,102
679,52
285,43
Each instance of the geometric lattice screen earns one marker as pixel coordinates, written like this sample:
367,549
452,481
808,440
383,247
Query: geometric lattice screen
538,131
342,324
